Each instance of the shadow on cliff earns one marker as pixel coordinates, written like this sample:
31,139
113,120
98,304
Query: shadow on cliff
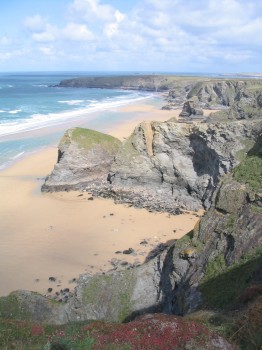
256,150
165,287
205,162
234,288
237,285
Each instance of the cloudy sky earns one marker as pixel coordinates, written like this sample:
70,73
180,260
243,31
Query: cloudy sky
131,35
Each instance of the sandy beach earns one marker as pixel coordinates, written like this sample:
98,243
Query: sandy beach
66,234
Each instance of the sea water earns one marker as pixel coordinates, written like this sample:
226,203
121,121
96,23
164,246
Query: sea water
32,106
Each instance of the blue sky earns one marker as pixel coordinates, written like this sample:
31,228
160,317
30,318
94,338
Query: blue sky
131,35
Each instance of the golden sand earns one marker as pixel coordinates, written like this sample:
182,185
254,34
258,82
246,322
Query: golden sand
65,234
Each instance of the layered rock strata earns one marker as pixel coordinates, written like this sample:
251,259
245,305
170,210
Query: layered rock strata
161,166
84,158
235,99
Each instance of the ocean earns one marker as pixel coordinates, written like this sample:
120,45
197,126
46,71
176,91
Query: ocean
33,111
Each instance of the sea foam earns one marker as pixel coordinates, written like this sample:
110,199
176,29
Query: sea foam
38,121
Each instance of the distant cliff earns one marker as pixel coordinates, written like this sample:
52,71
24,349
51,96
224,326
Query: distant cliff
130,82
237,99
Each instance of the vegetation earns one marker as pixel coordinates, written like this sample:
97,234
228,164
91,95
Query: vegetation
249,171
9,308
156,332
86,138
24,335
128,149
222,285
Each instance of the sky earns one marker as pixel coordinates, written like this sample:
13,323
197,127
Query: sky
204,36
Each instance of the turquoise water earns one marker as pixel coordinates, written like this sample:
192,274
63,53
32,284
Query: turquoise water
33,111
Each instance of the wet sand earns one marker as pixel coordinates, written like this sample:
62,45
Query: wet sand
65,234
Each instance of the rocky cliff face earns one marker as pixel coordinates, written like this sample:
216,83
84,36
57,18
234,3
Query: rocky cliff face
235,98
210,267
161,166
217,266
175,164
84,158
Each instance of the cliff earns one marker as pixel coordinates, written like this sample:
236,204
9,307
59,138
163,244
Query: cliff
211,275
161,166
236,99
216,267
131,82
84,158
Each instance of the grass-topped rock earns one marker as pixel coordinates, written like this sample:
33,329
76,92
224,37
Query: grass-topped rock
84,158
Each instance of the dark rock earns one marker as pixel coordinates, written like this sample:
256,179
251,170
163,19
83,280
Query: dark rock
50,290
144,242
90,198
52,279
128,251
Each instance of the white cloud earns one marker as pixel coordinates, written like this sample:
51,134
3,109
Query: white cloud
8,55
35,23
49,34
77,32
152,33
92,10
46,50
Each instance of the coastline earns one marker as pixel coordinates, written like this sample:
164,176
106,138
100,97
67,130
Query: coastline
64,234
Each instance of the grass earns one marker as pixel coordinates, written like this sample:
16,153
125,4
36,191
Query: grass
128,149
249,171
9,308
222,285
86,138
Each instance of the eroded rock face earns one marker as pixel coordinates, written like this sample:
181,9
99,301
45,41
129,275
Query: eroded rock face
84,157
162,166
170,165
192,108
236,99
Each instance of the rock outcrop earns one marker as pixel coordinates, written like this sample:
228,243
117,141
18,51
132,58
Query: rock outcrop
236,99
178,165
163,166
84,158
191,108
